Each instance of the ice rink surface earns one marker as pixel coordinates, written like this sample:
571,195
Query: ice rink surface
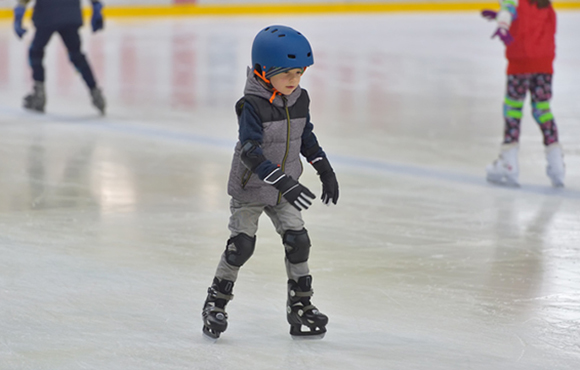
111,227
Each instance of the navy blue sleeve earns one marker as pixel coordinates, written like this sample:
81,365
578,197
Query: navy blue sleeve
310,147
250,125
250,129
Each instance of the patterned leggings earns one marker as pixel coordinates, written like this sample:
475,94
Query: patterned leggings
540,86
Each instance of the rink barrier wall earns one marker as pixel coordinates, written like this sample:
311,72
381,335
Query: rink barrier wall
189,10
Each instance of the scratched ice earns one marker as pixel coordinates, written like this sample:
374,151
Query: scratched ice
111,228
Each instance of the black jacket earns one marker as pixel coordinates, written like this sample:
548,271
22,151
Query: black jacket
57,13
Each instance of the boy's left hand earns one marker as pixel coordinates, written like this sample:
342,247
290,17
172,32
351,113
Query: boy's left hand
328,179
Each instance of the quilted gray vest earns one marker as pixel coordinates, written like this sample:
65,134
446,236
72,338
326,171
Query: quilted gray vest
283,122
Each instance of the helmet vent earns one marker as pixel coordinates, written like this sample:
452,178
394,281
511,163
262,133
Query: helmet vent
309,54
282,35
291,56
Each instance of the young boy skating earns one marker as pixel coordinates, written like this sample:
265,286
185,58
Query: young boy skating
274,129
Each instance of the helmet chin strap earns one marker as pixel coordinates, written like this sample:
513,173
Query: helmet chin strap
268,83
262,76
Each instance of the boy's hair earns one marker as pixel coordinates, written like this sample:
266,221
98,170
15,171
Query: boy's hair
540,3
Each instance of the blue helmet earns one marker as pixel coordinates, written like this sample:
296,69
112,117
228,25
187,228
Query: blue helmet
280,47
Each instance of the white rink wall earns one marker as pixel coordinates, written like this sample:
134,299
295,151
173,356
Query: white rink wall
11,3
7,4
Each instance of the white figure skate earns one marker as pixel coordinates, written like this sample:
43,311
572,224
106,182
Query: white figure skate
556,170
505,169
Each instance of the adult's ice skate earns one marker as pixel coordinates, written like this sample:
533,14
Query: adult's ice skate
98,99
36,99
215,318
301,313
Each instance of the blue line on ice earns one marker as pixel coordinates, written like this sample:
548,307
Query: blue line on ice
357,163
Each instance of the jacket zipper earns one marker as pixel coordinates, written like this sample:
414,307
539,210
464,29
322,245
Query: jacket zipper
283,164
246,177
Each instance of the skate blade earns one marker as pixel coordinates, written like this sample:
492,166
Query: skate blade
35,110
557,183
314,333
210,335
503,182
207,338
308,336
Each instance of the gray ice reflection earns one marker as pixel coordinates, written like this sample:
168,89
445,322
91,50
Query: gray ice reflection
223,69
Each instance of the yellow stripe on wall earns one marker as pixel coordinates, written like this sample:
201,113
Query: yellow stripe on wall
188,10
315,8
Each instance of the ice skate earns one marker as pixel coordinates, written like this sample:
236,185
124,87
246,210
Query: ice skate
98,99
215,318
556,169
36,100
505,170
300,312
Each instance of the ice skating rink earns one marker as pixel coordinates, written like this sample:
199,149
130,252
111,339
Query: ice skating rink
111,227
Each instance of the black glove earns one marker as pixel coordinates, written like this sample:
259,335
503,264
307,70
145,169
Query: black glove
97,18
18,14
328,178
295,193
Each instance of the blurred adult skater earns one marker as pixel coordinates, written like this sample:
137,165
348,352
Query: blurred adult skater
65,18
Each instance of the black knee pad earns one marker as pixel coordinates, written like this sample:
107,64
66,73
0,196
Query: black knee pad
297,245
239,249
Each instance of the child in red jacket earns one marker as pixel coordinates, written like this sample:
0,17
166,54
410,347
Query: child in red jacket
527,28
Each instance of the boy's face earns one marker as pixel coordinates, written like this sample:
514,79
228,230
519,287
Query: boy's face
287,82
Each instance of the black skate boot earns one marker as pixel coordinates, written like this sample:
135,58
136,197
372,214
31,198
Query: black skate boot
36,99
301,312
215,318
98,99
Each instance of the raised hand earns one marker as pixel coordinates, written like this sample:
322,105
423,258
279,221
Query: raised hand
489,14
97,18
18,15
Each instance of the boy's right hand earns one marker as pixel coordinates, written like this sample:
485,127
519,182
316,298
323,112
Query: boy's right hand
488,14
18,15
295,193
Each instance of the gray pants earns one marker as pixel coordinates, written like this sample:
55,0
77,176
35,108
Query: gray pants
244,219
